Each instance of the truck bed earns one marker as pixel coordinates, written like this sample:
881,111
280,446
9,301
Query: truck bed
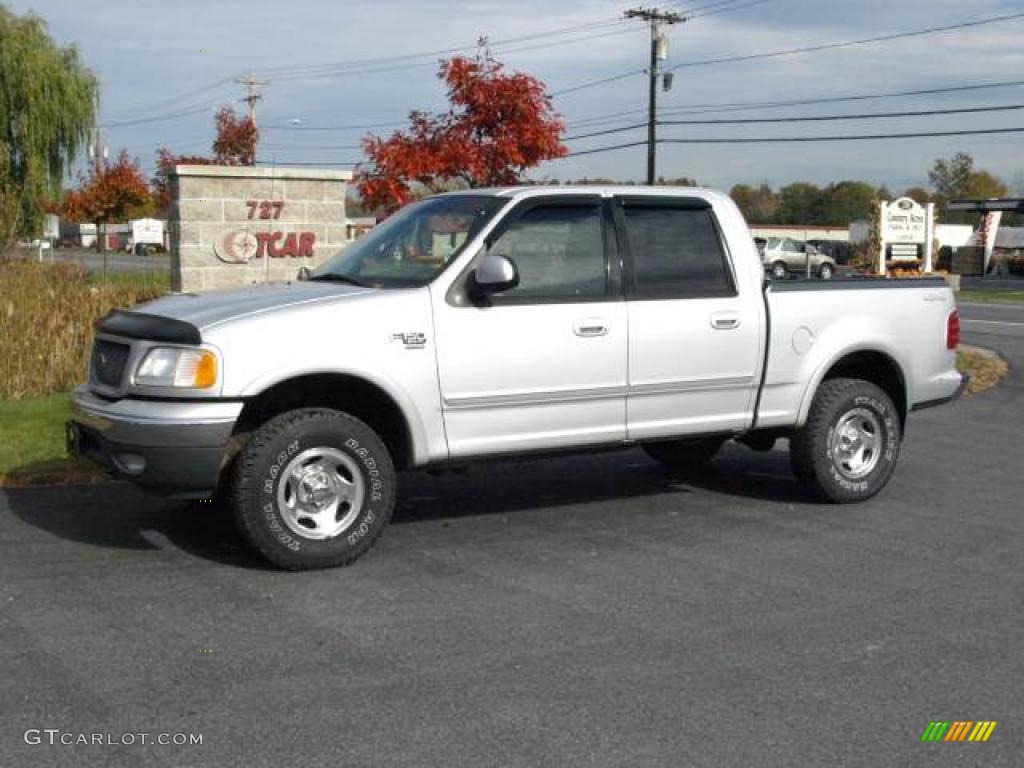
810,320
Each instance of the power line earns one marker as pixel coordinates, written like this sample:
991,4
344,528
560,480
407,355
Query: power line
595,83
849,43
286,147
734,121
682,109
363,127
604,149
279,162
792,51
390,63
739,106
863,116
800,139
859,137
187,96
608,131
713,9
384,63
158,119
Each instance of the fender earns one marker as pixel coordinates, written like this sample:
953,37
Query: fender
422,449
874,345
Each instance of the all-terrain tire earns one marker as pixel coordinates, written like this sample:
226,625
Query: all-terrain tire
847,450
313,488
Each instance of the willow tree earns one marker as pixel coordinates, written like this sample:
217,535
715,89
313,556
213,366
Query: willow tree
47,112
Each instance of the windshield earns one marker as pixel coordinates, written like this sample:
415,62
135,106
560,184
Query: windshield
412,247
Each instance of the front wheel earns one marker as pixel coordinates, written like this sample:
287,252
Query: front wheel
313,488
848,448
825,271
779,271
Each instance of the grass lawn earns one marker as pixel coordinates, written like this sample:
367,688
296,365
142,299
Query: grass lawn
32,430
991,297
32,444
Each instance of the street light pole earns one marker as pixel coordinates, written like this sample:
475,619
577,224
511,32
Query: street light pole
659,50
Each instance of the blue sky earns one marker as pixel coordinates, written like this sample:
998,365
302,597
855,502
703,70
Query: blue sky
162,59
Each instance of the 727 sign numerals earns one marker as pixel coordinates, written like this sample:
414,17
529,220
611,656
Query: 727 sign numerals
265,209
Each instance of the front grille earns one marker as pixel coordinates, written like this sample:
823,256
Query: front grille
108,361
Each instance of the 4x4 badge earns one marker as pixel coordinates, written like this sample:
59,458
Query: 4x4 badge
411,340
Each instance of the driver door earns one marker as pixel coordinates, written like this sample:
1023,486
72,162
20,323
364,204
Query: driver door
541,365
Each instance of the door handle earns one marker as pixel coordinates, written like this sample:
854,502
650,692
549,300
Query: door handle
725,321
591,326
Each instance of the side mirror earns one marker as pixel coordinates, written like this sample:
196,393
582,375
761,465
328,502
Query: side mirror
495,274
304,274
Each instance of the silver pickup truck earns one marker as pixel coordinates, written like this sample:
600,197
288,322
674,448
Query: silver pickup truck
508,322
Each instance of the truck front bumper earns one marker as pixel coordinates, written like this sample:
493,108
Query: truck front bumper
172,447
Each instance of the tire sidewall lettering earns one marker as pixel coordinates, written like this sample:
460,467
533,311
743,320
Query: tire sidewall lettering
272,477
890,439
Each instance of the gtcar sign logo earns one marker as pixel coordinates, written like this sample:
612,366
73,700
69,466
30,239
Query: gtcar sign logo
237,247
240,246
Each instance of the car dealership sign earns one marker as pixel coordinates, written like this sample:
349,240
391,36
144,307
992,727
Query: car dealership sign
904,221
904,225
238,225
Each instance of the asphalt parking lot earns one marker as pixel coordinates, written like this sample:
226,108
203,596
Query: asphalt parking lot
114,261
586,611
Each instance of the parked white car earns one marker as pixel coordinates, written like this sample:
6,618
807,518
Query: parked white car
507,322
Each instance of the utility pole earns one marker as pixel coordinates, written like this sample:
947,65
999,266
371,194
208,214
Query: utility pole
659,52
254,95
99,153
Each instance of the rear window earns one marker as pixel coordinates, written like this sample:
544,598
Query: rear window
676,252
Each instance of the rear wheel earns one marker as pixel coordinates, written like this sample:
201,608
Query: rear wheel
685,454
779,271
313,488
847,451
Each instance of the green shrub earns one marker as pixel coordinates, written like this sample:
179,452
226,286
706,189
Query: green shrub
47,313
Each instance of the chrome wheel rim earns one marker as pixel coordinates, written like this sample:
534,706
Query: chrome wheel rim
856,446
778,271
320,493
826,273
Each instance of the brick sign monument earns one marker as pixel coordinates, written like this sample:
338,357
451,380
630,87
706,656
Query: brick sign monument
234,226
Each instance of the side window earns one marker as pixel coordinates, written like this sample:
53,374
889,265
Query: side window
676,252
559,251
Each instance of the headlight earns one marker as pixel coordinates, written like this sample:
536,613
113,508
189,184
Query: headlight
170,367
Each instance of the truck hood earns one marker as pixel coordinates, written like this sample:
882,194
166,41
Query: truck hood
205,310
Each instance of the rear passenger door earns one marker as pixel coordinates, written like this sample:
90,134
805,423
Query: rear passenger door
693,340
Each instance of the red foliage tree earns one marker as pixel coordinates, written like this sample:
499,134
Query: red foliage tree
235,144
236,140
109,192
498,126
165,162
